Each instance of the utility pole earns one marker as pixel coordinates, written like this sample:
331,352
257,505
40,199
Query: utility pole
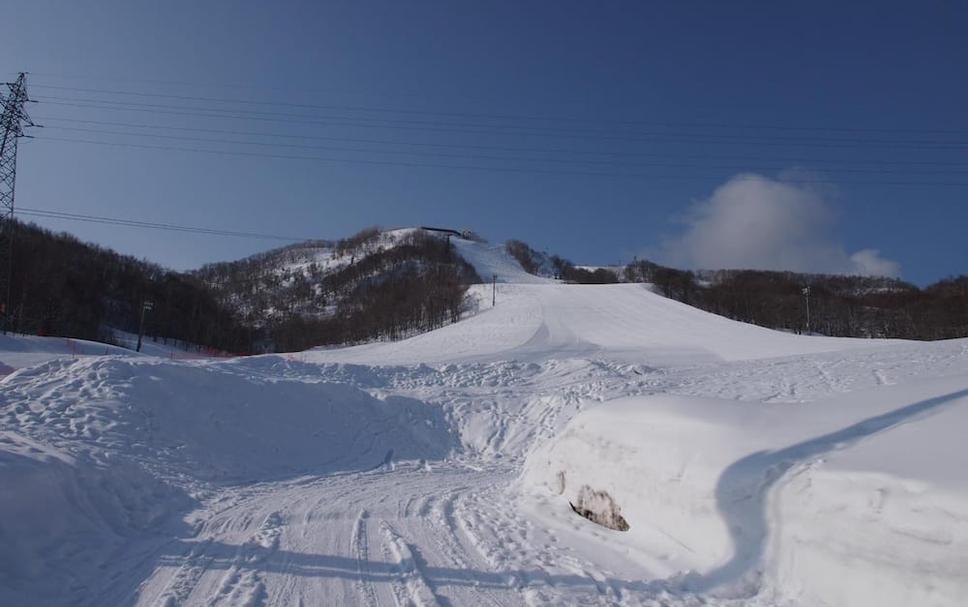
12,122
493,290
806,297
145,306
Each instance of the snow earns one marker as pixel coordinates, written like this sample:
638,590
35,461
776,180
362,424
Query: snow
493,261
621,321
19,351
723,486
753,467
324,256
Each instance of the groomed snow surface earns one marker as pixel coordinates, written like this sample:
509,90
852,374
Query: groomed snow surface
752,467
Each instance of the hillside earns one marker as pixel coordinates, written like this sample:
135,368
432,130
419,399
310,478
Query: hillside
64,287
373,285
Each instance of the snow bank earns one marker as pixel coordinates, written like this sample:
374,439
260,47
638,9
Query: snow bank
884,522
215,422
645,453
817,503
19,351
63,516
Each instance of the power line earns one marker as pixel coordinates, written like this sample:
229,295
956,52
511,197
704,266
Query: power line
509,130
605,163
134,223
538,150
522,129
519,117
196,85
465,166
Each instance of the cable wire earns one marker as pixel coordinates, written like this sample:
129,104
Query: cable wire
519,117
465,166
429,126
134,223
605,163
423,144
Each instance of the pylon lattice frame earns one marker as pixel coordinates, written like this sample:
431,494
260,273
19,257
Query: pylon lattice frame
13,120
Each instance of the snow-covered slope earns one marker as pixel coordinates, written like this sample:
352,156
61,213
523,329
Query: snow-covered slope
493,262
815,498
626,321
753,467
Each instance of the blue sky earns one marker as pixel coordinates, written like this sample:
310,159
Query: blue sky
754,134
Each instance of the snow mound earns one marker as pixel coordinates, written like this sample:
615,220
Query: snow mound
63,516
19,351
794,502
214,423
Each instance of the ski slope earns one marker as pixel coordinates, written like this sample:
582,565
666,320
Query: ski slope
493,263
618,322
753,467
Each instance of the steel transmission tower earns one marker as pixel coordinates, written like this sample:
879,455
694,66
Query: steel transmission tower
12,123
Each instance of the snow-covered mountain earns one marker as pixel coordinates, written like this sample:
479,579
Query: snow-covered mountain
290,279
374,285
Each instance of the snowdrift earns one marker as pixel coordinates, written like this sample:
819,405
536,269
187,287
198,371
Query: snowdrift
215,423
19,351
63,516
809,503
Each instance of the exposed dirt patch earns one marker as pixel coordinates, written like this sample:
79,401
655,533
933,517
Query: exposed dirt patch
600,508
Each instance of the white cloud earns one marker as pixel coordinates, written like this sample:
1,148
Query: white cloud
869,262
754,222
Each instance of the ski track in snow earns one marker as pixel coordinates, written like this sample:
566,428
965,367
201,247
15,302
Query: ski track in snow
444,531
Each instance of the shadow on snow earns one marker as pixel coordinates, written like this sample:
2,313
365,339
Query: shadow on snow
743,488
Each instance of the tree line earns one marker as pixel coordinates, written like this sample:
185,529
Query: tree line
557,267
841,306
281,300
62,286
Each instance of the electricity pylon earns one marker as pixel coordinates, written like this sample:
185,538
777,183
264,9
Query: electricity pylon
12,123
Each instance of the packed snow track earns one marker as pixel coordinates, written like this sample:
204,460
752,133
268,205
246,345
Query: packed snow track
753,467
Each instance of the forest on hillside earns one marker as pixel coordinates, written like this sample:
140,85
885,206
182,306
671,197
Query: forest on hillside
374,290
62,286
836,305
